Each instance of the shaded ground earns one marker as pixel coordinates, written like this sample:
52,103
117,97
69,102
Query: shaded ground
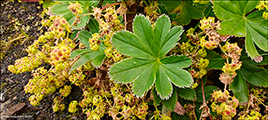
19,27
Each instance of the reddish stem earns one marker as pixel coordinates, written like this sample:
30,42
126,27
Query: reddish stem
204,98
203,91
110,5
125,19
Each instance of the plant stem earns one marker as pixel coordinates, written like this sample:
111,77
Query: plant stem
225,87
204,98
108,101
125,19
203,91
194,53
258,99
73,23
18,38
85,15
227,60
110,5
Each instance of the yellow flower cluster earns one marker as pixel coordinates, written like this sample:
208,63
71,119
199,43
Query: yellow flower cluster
224,104
263,5
75,8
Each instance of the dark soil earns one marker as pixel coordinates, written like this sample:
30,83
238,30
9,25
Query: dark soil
20,20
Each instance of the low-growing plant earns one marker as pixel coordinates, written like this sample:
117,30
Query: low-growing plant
148,65
122,71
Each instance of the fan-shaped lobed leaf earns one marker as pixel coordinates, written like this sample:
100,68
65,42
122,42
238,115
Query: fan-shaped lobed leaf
148,66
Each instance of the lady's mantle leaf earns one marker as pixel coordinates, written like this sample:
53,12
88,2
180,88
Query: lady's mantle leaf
93,25
148,66
188,94
84,36
240,88
255,75
189,11
171,103
215,60
79,52
95,56
235,22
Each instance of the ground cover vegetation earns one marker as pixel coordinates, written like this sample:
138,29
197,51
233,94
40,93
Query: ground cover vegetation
149,59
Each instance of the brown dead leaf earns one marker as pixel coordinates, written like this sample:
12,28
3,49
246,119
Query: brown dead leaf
14,109
11,110
3,105
224,37
179,109
205,110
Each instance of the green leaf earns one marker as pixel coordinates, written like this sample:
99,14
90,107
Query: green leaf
188,94
209,10
128,70
255,75
144,33
171,102
84,37
239,21
74,34
246,60
208,90
157,99
93,25
163,9
170,4
79,52
97,61
95,56
215,60
47,3
148,66
145,80
240,88
189,11
171,40
88,3
131,48
176,61
59,9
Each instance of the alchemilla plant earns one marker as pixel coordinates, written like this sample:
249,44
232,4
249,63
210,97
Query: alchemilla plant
148,65
171,60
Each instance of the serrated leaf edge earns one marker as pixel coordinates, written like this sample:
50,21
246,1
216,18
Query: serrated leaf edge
189,99
145,90
163,98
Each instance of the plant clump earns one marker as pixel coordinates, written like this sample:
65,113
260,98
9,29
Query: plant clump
155,71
